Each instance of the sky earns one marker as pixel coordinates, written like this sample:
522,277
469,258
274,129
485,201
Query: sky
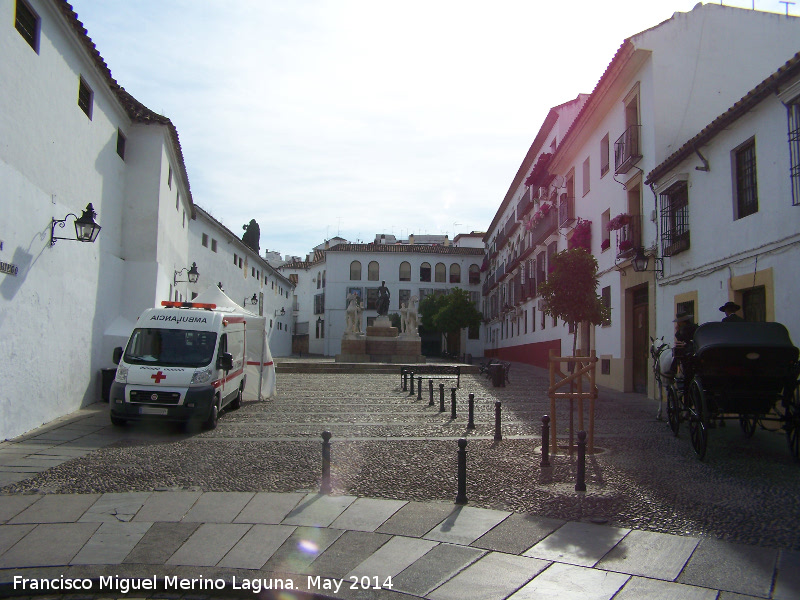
354,118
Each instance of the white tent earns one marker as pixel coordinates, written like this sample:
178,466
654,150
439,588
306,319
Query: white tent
260,369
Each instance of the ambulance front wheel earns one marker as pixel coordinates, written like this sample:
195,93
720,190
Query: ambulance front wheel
118,421
213,415
236,403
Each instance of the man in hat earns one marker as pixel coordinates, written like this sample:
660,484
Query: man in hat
730,309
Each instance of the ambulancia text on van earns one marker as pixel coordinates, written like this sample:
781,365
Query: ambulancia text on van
184,362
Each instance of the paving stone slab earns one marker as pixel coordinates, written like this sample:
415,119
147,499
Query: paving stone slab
714,561
317,510
48,545
415,519
517,533
167,506
269,507
111,543
393,557
347,552
209,544
257,546
493,577
434,568
787,581
218,507
650,554
301,549
160,542
465,524
56,508
639,588
11,506
582,544
115,507
367,514
560,581
11,534
8,478
29,573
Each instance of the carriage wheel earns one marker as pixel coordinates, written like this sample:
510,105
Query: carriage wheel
792,421
748,424
673,412
698,421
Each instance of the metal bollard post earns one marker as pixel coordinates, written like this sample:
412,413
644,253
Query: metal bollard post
405,381
411,393
452,403
430,389
497,435
580,483
419,387
461,498
325,486
545,441
471,421
441,397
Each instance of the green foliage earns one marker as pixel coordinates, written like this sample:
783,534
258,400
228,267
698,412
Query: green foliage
447,313
571,289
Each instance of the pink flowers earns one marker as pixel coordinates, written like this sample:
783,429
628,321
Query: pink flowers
618,222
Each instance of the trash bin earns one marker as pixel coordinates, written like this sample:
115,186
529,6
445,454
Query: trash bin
498,374
107,376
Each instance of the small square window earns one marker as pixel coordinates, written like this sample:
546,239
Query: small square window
605,366
121,144
604,155
205,240
85,97
235,259
213,245
169,178
27,23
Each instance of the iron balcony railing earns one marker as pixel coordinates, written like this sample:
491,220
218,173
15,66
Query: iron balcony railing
627,150
629,237
544,228
566,211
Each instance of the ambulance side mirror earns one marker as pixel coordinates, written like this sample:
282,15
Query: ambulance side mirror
225,361
117,355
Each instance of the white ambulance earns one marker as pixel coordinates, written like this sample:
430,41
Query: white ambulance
184,362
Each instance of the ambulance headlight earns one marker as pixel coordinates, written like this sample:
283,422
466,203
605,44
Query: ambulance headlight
202,376
122,374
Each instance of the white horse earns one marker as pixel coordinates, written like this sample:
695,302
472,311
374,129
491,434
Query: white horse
662,355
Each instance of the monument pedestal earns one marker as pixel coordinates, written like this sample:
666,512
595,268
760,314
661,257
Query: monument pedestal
381,344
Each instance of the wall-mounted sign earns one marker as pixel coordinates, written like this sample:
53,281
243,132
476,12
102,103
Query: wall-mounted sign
8,269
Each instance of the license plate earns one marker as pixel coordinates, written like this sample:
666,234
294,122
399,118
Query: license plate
151,410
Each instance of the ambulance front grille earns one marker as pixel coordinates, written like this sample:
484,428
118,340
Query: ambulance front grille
155,397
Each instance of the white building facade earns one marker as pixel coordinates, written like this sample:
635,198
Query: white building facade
662,86
729,211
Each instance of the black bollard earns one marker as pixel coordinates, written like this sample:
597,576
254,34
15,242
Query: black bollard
580,483
325,486
461,498
452,403
441,397
471,421
545,441
497,435
411,393
430,389
405,381
419,387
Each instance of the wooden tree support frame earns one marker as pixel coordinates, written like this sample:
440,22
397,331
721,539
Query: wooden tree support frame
585,371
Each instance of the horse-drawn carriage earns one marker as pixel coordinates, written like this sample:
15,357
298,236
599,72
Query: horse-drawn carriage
744,371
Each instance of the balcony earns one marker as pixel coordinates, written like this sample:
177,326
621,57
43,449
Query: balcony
627,151
629,237
525,203
544,228
566,211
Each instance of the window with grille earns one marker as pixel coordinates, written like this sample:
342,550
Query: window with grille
85,97
675,219
27,23
746,183
794,149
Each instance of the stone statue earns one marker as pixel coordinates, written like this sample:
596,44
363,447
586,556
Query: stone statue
252,235
353,314
412,317
403,317
383,300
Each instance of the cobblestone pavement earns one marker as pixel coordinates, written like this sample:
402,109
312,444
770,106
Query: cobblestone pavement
388,444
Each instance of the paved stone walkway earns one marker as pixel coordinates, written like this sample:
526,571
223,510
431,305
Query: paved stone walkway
85,500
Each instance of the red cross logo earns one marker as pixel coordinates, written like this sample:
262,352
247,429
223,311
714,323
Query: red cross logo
158,377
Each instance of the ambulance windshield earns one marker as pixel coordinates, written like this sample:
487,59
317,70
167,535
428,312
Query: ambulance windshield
170,347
